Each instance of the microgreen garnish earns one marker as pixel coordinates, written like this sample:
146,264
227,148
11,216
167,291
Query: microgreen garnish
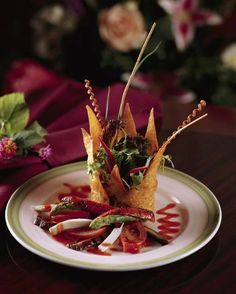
166,158
148,55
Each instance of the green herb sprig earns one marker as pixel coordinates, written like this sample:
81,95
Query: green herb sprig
16,136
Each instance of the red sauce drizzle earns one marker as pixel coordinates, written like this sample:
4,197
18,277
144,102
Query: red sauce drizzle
62,238
79,191
47,207
98,252
106,244
167,226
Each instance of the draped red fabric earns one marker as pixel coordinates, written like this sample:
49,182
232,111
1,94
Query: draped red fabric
58,104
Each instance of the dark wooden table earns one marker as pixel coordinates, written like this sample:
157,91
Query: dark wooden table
207,152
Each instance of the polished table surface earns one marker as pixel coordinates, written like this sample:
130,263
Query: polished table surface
206,151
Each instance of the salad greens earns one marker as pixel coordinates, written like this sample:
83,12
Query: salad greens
130,155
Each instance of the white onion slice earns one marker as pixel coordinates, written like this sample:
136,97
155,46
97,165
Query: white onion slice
114,235
69,224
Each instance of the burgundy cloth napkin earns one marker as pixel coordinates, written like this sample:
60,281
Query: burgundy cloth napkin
59,106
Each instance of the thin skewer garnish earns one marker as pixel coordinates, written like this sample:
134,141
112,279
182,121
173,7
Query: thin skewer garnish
193,115
94,101
136,66
107,102
191,119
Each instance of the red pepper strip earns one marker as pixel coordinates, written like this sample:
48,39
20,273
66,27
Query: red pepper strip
93,207
137,169
86,188
107,165
108,152
132,211
69,214
85,233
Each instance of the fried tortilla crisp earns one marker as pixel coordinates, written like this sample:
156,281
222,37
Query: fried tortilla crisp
114,190
151,134
95,128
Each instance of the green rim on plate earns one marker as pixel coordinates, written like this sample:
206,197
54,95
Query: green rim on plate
13,223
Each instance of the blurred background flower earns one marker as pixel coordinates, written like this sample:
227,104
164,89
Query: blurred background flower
229,57
100,40
122,26
50,24
185,16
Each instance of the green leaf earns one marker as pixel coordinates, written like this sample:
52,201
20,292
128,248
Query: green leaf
37,128
27,138
31,136
14,113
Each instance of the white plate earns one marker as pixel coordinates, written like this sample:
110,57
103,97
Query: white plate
198,209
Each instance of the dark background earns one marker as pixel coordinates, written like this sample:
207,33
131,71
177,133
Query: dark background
16,43
14,32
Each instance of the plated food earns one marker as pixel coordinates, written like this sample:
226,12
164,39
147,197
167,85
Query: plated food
115,211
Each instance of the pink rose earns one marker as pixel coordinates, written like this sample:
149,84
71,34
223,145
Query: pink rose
122,26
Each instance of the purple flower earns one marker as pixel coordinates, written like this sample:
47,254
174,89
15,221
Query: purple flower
186,16
8,148
45,152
